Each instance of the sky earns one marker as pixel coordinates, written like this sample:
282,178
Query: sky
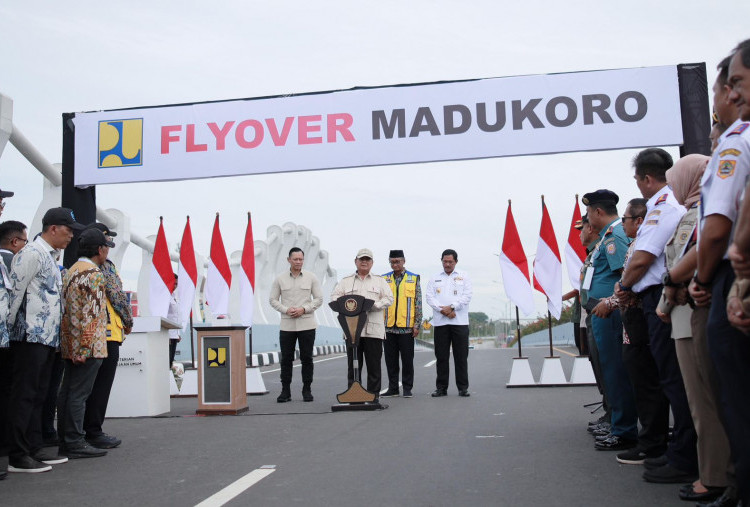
85,56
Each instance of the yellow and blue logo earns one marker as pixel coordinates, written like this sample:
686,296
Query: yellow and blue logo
121,143
217,356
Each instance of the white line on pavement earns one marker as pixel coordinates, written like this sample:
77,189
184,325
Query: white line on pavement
300,364
430,363
489,436
237,487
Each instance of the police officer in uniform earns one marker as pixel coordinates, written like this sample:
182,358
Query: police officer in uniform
607,260
402,321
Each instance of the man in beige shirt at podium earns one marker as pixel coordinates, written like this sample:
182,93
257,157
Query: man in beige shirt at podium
296,295
373,287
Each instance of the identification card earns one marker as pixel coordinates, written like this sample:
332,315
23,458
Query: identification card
587,278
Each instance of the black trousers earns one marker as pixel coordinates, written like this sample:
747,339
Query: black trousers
372,350
399,345
32,365
730,352
650,403
172,351
78,380
682,451
6,378
456,337
50,402
287,342
96,404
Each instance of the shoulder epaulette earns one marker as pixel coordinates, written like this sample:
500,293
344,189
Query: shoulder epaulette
661,199
739,130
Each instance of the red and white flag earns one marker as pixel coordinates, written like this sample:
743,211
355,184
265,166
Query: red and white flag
218,276
515,267
575,252
247,276
162,277
548,266
188,275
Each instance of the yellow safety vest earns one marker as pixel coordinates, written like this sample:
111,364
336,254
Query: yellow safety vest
401,312
114,325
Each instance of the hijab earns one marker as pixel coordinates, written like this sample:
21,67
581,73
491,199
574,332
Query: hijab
684,178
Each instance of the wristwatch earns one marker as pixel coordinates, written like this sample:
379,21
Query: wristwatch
698,282
453,307
666,280
624,287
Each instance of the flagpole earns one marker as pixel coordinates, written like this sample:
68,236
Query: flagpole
250,328
192,347
549,327
518,333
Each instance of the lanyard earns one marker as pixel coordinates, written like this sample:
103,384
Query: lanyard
595,254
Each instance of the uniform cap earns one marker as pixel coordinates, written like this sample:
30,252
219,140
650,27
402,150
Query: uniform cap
600,196
62,216
94,237
106,230
364,252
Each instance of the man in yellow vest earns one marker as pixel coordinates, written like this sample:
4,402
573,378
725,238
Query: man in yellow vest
402,321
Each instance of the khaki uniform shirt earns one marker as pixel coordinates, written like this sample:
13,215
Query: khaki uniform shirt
302,291
372,287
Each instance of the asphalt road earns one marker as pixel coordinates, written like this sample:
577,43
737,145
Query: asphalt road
522,446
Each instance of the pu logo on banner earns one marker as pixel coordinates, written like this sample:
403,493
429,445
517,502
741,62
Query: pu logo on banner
217,357
121,143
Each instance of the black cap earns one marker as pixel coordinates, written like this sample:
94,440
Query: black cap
5,193
94,237
395,254
106,230
62,216
600,196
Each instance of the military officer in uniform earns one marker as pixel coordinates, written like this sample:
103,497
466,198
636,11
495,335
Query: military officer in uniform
605,267
402,321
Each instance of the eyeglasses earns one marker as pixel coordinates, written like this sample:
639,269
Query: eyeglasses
715,117
625,217
2,205
19,238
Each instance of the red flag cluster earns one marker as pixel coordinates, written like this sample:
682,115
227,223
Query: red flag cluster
218,275
547,263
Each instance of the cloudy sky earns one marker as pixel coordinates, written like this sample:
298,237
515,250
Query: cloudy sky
83,56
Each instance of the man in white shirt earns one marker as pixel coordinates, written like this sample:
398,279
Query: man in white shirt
449,293
643,278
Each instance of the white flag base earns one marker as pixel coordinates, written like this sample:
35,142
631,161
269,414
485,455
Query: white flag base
189,385
254,381
582,374
552,372
173,390
520,373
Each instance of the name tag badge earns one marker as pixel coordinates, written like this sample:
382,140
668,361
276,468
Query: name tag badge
587,279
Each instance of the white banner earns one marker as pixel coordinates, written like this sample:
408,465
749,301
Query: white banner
584,111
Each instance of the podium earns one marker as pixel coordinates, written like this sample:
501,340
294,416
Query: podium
141,385
221,370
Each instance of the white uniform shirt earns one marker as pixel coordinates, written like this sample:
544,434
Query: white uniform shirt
663,213
445,290
723,183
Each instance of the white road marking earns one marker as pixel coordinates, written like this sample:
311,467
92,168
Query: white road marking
490,436
501,413
430,363
237,487
300,364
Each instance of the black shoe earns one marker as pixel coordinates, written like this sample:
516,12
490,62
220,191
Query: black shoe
632,457
602,438
49,458
464,393
27,465
602,419
390,393
727,499
689,494
104,441
82,451
668,474
285,396
3,474
654,463
307,395
438,393
407,393
614,443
